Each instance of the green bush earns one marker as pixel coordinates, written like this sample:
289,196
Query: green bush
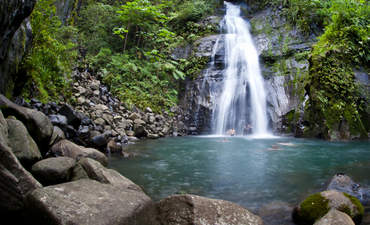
49,62
334,95
96,23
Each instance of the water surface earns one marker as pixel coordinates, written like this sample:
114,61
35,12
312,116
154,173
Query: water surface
250,172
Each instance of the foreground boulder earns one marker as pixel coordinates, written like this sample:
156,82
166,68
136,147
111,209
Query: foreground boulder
317,205
192,209
3,129
89,202
97,171
21,143
70,149
15,181
54,170
344,183
37,123
335,217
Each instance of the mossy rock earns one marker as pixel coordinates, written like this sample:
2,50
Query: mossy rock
317,205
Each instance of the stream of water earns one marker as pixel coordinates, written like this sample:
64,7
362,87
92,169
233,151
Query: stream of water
242,104
250,172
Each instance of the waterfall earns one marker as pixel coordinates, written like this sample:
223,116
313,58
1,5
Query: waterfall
242,103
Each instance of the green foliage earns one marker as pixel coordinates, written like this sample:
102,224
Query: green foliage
186,20
308,15
139,82
193,66
334,95
50,60
95,23
193,10
141,71
311,209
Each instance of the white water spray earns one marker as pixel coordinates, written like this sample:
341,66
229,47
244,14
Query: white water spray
242,81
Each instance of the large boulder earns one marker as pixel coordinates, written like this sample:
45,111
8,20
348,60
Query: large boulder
89,202
21,143
317,205
344,183
70,149
97,171
3,129
335,217
15,181
192,209
37,123
54,170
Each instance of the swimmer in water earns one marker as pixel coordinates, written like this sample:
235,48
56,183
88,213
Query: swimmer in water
274,148
286,144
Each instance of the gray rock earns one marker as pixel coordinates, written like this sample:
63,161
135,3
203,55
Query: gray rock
99,140
70,149
15,181
58,120
192,209
205,45
114,146
21,143
38,125
3,129
99,121
140,131
153,136
53,170
57,136
89,202
148,110
151,119
335,217
78,173
134,116
344,183
98,172
165,130
94,85
81,100
130,133
72,116
108,118
139,122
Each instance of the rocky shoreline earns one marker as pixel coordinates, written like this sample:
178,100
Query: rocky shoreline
47,179
98,119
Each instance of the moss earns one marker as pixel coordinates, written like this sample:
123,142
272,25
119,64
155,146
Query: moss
311,209
356,218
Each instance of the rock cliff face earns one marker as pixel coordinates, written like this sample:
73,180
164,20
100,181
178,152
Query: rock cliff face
15,39
65,9
284,61
283,57
198,101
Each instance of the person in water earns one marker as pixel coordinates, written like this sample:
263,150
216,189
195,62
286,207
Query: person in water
247,129
231,132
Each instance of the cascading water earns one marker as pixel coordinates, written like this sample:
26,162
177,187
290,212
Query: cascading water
242,103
